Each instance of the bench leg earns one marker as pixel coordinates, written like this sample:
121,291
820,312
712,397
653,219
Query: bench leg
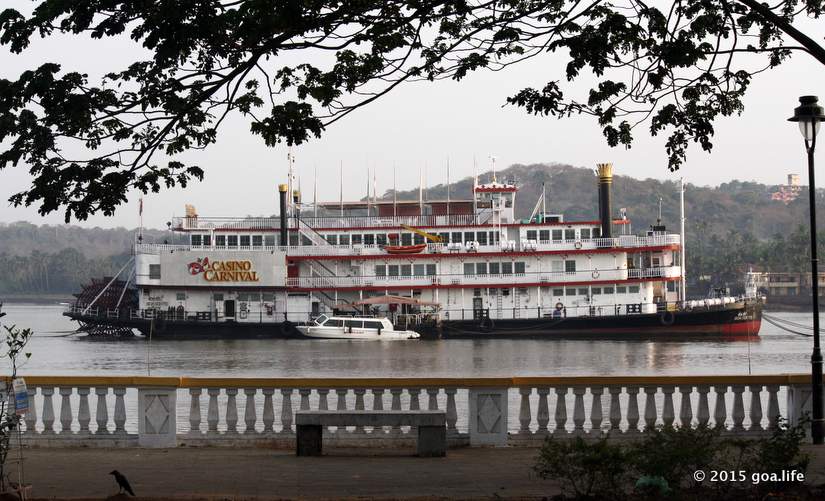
308,440
432,441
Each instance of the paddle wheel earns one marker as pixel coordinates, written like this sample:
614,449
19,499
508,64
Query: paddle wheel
107,300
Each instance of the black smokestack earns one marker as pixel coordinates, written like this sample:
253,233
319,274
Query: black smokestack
282,189
605,183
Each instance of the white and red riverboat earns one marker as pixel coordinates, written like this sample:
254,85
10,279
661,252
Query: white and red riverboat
457,268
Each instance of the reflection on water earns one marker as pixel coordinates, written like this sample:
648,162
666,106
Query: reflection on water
53,352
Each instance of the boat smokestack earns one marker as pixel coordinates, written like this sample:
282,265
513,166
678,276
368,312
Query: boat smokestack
605,172
282,192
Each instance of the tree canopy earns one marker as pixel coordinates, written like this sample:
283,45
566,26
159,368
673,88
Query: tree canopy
673,68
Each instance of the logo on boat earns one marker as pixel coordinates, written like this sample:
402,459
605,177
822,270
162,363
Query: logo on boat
223,271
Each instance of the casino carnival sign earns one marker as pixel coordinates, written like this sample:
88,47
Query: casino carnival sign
224,271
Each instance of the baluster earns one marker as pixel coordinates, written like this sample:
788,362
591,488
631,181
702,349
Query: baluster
286,410
543,413
323,402
84,415
269,410
212,410
48,410
66,417
342,398
304,392
452,414
561,410
632,409
668,416
756,407
650,407
31,415
395,404
250,415
720,412
615,408
433,401
685,407
120,410
773,406
703,414
738,407
578,409
231,410
359,405
378,399
414,402
195,411
524,415
596,415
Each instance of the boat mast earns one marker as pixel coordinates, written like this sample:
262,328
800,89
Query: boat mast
341,186
448,187
682,287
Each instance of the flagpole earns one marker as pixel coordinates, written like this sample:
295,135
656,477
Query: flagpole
448,188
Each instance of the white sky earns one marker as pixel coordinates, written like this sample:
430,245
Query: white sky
423,124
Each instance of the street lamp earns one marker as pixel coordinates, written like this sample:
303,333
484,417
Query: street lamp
808,115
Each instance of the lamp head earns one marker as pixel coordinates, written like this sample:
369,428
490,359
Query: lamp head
808,115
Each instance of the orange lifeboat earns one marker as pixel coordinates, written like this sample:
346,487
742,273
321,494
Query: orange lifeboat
405,249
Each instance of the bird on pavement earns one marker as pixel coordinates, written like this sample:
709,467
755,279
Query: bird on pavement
122,482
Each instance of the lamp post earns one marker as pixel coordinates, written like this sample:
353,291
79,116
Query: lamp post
809,115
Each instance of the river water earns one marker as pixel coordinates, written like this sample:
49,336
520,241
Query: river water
56,352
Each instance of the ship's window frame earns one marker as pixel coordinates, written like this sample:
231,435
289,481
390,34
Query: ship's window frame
244,241
558,292
570,266
373,324
519,268
331,239
532,235
505,291
419,270
481,236
608,289
320,319
633,289
469,269
570,291
269,240
406,239
381,239
220,241
257,241
418,239
582,291
353,323
585,233
569,234
557,235
544,235
180,296
481,268
369,238
455,237
431,271
392,270
380,270
334,322
507,268
495,268
597,232
357,239
154,272
469,236
343,239
406,270
445,237
232,241
195,239
621,289
596,291
207,240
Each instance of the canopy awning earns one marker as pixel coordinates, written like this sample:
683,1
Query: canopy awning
391,300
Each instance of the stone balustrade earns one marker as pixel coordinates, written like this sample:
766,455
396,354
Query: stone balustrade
165,412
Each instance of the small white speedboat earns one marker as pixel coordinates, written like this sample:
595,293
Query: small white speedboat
379,329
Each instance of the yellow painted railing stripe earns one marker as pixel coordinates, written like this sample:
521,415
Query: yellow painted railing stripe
554,381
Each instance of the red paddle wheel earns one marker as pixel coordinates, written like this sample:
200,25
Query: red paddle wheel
113,302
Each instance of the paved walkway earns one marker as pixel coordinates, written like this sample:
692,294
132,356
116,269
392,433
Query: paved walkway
265,473
218,473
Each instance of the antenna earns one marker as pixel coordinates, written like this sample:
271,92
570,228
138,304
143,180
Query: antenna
659,219
493,160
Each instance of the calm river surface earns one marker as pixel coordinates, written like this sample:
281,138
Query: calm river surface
54,352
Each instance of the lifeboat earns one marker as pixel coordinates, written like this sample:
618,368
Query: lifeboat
405,249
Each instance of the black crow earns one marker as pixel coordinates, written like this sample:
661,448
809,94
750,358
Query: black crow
122,482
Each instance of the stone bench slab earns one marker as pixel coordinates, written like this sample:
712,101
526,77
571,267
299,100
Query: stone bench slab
370,418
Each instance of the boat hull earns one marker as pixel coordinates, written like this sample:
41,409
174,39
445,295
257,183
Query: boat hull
314,332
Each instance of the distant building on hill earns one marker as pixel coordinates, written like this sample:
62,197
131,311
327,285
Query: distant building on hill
787,193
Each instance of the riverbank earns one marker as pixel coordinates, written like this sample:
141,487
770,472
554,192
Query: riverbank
36,298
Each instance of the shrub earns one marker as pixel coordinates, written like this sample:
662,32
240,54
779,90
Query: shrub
587,470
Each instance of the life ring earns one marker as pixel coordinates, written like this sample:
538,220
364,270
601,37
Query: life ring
578,244
559,306
667,318
595,273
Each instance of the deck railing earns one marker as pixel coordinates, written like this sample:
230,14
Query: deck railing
169,411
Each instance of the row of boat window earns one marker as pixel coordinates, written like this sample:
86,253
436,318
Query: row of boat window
357,324
566,234
595,291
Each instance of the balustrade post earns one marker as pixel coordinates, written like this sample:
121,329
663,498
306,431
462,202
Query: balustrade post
596,415
231,410
304,392
452,414
756,407
650,407
286,410
212,410
524,415
66,417
84,415
120,410
632,409
395,404
194,411
48,410
703,414
415,404
31,415
323,402
668,415
359,405
250,414
615,408
269,410
720,411
378,399
773,406
543,413
433,400
561,410
738,407
342,398
685,407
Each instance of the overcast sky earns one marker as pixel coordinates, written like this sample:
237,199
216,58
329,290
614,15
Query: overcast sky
422,125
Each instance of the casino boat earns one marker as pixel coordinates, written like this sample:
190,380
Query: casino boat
477,271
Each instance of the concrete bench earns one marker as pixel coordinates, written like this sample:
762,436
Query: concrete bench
431,425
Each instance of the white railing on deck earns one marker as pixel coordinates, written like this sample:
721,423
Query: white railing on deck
72,411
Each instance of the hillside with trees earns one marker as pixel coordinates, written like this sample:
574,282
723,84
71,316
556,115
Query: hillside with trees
729,228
